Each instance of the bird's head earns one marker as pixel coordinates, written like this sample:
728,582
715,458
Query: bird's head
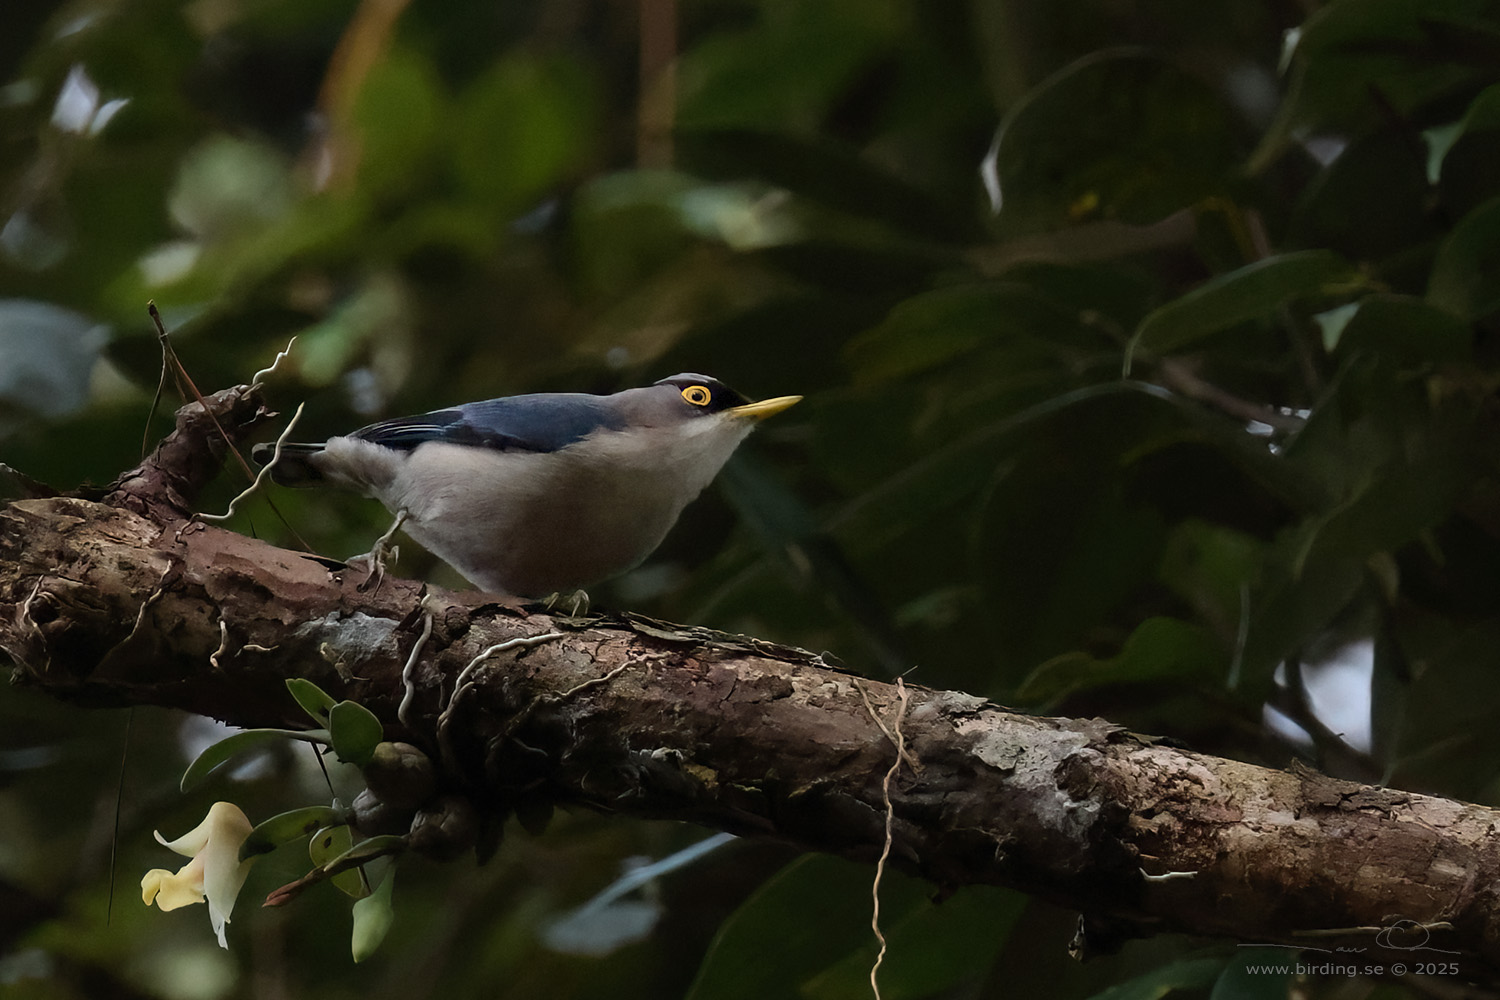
691,397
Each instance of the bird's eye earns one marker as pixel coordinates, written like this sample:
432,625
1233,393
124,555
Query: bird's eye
698,395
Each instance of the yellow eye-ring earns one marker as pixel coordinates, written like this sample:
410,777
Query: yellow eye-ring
697,395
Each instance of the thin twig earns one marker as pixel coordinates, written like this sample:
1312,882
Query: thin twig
180,372
161,382
1181,377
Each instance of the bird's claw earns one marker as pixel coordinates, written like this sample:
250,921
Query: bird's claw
570,605
381,552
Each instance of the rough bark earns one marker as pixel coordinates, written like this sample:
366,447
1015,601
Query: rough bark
127,601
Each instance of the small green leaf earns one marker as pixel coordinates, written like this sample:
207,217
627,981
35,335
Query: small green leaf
239,743
355,731
286,827
1249,292
327,847
328,843
314,700
372,919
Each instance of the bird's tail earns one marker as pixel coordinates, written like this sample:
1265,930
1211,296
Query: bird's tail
293,468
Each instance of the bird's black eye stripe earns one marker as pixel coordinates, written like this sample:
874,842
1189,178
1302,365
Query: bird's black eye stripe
703,394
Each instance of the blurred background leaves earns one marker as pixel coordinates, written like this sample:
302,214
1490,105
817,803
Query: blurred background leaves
1150,363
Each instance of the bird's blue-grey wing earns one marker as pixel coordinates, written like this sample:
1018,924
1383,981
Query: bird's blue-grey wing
540,422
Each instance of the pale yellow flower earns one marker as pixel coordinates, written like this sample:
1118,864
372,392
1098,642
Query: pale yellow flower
215,870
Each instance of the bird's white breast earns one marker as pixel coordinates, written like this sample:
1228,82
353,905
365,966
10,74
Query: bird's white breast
535,522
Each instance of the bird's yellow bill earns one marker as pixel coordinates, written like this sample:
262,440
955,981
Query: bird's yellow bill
764,408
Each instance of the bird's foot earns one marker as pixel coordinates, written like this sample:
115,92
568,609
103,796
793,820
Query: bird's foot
381,552
573,604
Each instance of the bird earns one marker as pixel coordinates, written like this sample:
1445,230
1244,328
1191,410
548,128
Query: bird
540,493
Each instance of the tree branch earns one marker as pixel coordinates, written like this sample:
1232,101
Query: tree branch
125,602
